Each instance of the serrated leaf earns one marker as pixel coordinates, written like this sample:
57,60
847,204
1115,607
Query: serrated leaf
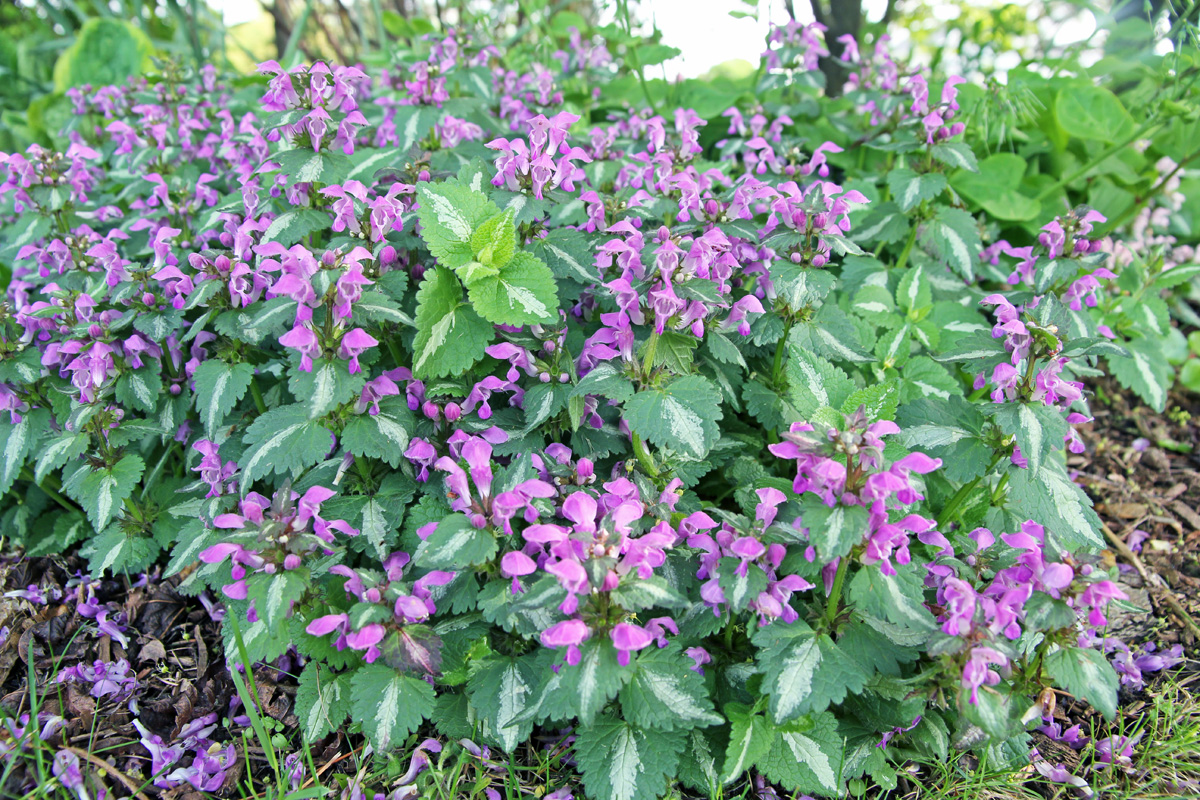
294,224
523,293
622,762
451,337
665,694
455,544
17,441
282,441
499,690
953,238
219,387
102,491
1038,429
581,690
1088,675
1146,371
449,214
384,436
322,701
389,705
805,673
642,593
495,241
1049,497
681,415
807,758
909,188
605,380
750,738
833,531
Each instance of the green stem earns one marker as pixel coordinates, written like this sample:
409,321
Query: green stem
154,473
28,475
643,457
1000,488
1143,131
955,502
391,346
835,595
908,246
651,351
780,347
258,398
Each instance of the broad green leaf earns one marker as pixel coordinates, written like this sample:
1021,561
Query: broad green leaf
1050,498
605,380
449,214
523,293
1146,371
451,337
388,704
953,238
638,594
666,694
455,545
499,689
294,224
102,491
17,442
996,188
140,389
833,531
805,672
1087,675
322,701
898,598
807,756
910,188
219,387
1039,430
1092,112
681,415
750,739
282,441
622,762
581,690
384,435
495,241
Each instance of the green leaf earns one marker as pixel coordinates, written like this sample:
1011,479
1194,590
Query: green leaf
282,441
1039,430
955,154
326,386
274,595
523,293
105,51
1088,675
219,387
581,690
569,253
389,705
102,491
449,214
605,380
995,187
496,240
877,400
806,757
115,551
833,531
953,238
915,290
1146,371
140,389
805,672
384,436
666,694
951,430
1049,497
899,598
1093,113
294,224
58,452
750,739
451,337
622,762
639,594
499,690
909,188
17,442
322,701
303,165
814,382
681,415
455,544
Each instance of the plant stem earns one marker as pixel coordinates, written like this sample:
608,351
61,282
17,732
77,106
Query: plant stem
908,246
258,398
777,366
1144,130
651,351
1000,488
643,457
959,497
835,595
28,475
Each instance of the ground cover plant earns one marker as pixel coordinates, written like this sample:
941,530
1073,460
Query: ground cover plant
702,437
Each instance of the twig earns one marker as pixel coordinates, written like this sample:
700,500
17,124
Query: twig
1167,595
110,770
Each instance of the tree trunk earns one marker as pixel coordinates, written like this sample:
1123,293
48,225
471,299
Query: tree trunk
841,17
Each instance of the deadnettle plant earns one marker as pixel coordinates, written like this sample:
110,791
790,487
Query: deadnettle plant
513,406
